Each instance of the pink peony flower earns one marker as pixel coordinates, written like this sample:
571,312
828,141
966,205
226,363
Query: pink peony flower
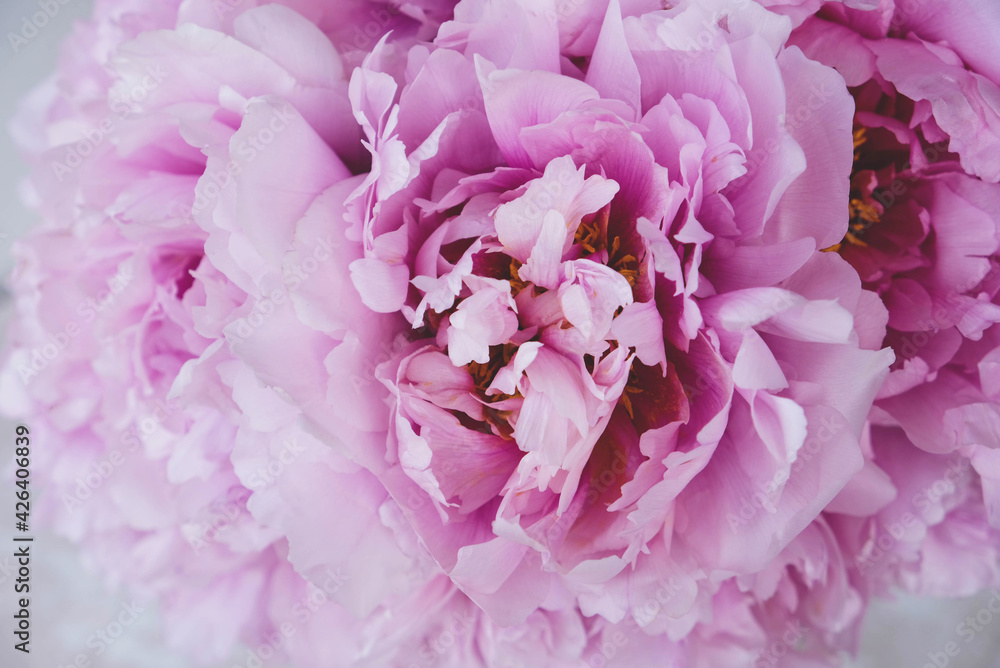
444,345
120,362
608,351
924,236
118,358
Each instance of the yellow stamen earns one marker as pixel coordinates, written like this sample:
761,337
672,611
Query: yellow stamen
851,239
627,265
862,214
859,139
483,374
627,400
622,266
588,235
482,377
632,387
516,284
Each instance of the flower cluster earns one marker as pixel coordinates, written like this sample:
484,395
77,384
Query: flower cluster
509,333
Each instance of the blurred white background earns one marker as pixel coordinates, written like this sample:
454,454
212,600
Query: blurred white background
69,605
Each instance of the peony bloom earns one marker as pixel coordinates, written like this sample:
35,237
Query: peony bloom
117,357
162,455
582,332
924,236
444,345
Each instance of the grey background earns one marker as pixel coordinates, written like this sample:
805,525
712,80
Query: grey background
70,604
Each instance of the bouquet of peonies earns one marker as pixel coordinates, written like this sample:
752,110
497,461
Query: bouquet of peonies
510,333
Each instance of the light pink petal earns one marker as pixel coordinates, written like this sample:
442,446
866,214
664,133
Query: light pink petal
755,367
517,100
819,115
612,72
544,263
776,159
482,320
382,286
640,325
968,112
